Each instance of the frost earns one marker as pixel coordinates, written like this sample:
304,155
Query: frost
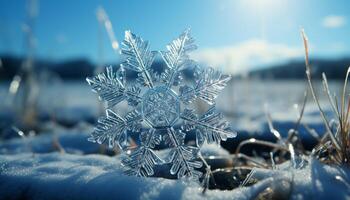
158,102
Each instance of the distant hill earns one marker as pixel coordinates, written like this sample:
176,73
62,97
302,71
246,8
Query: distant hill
334,69
81,68
70,69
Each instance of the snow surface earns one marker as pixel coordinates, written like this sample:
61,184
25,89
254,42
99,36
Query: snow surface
64,176
71,141
67,176
44,174
314,181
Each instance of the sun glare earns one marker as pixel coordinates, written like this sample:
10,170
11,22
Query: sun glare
263,6
261,10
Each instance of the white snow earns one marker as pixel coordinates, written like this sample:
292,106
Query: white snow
314,181
71,141
64,176
67,176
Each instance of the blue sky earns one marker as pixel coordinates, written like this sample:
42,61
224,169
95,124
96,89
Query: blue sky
236,34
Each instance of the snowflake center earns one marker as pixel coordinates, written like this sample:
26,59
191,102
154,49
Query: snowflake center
160,107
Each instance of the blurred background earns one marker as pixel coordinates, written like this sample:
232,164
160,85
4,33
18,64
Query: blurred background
48,48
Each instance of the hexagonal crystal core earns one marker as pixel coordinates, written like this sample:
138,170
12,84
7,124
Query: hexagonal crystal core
160,107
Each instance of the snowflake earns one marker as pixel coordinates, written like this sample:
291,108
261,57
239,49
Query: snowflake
159,102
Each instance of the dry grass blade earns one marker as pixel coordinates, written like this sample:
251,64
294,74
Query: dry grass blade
207,176
103,19
250,159
260,142
301,113
292,155
344,124
247,179
271,127
344,94
300,116
309,78
330,99
312,132
273,164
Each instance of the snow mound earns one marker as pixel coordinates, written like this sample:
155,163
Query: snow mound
70,141
313,181
65,176
44,174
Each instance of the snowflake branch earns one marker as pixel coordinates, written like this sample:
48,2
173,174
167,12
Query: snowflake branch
110,89
141,161
176,56
208,87
138,56
133,120
112,128
212,125
183,156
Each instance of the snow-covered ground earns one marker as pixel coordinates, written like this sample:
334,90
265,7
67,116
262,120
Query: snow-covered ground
69,176
71,141
33,168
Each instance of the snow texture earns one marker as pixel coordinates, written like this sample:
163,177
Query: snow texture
66,176
158,102
71,141
313,181
74,142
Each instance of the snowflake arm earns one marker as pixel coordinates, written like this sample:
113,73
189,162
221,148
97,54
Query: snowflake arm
138,57
142,160
210,126
110,87
133,120
112,128
176,56
182,156
207,88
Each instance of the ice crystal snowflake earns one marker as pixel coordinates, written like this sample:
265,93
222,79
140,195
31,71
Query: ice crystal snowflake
160,102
